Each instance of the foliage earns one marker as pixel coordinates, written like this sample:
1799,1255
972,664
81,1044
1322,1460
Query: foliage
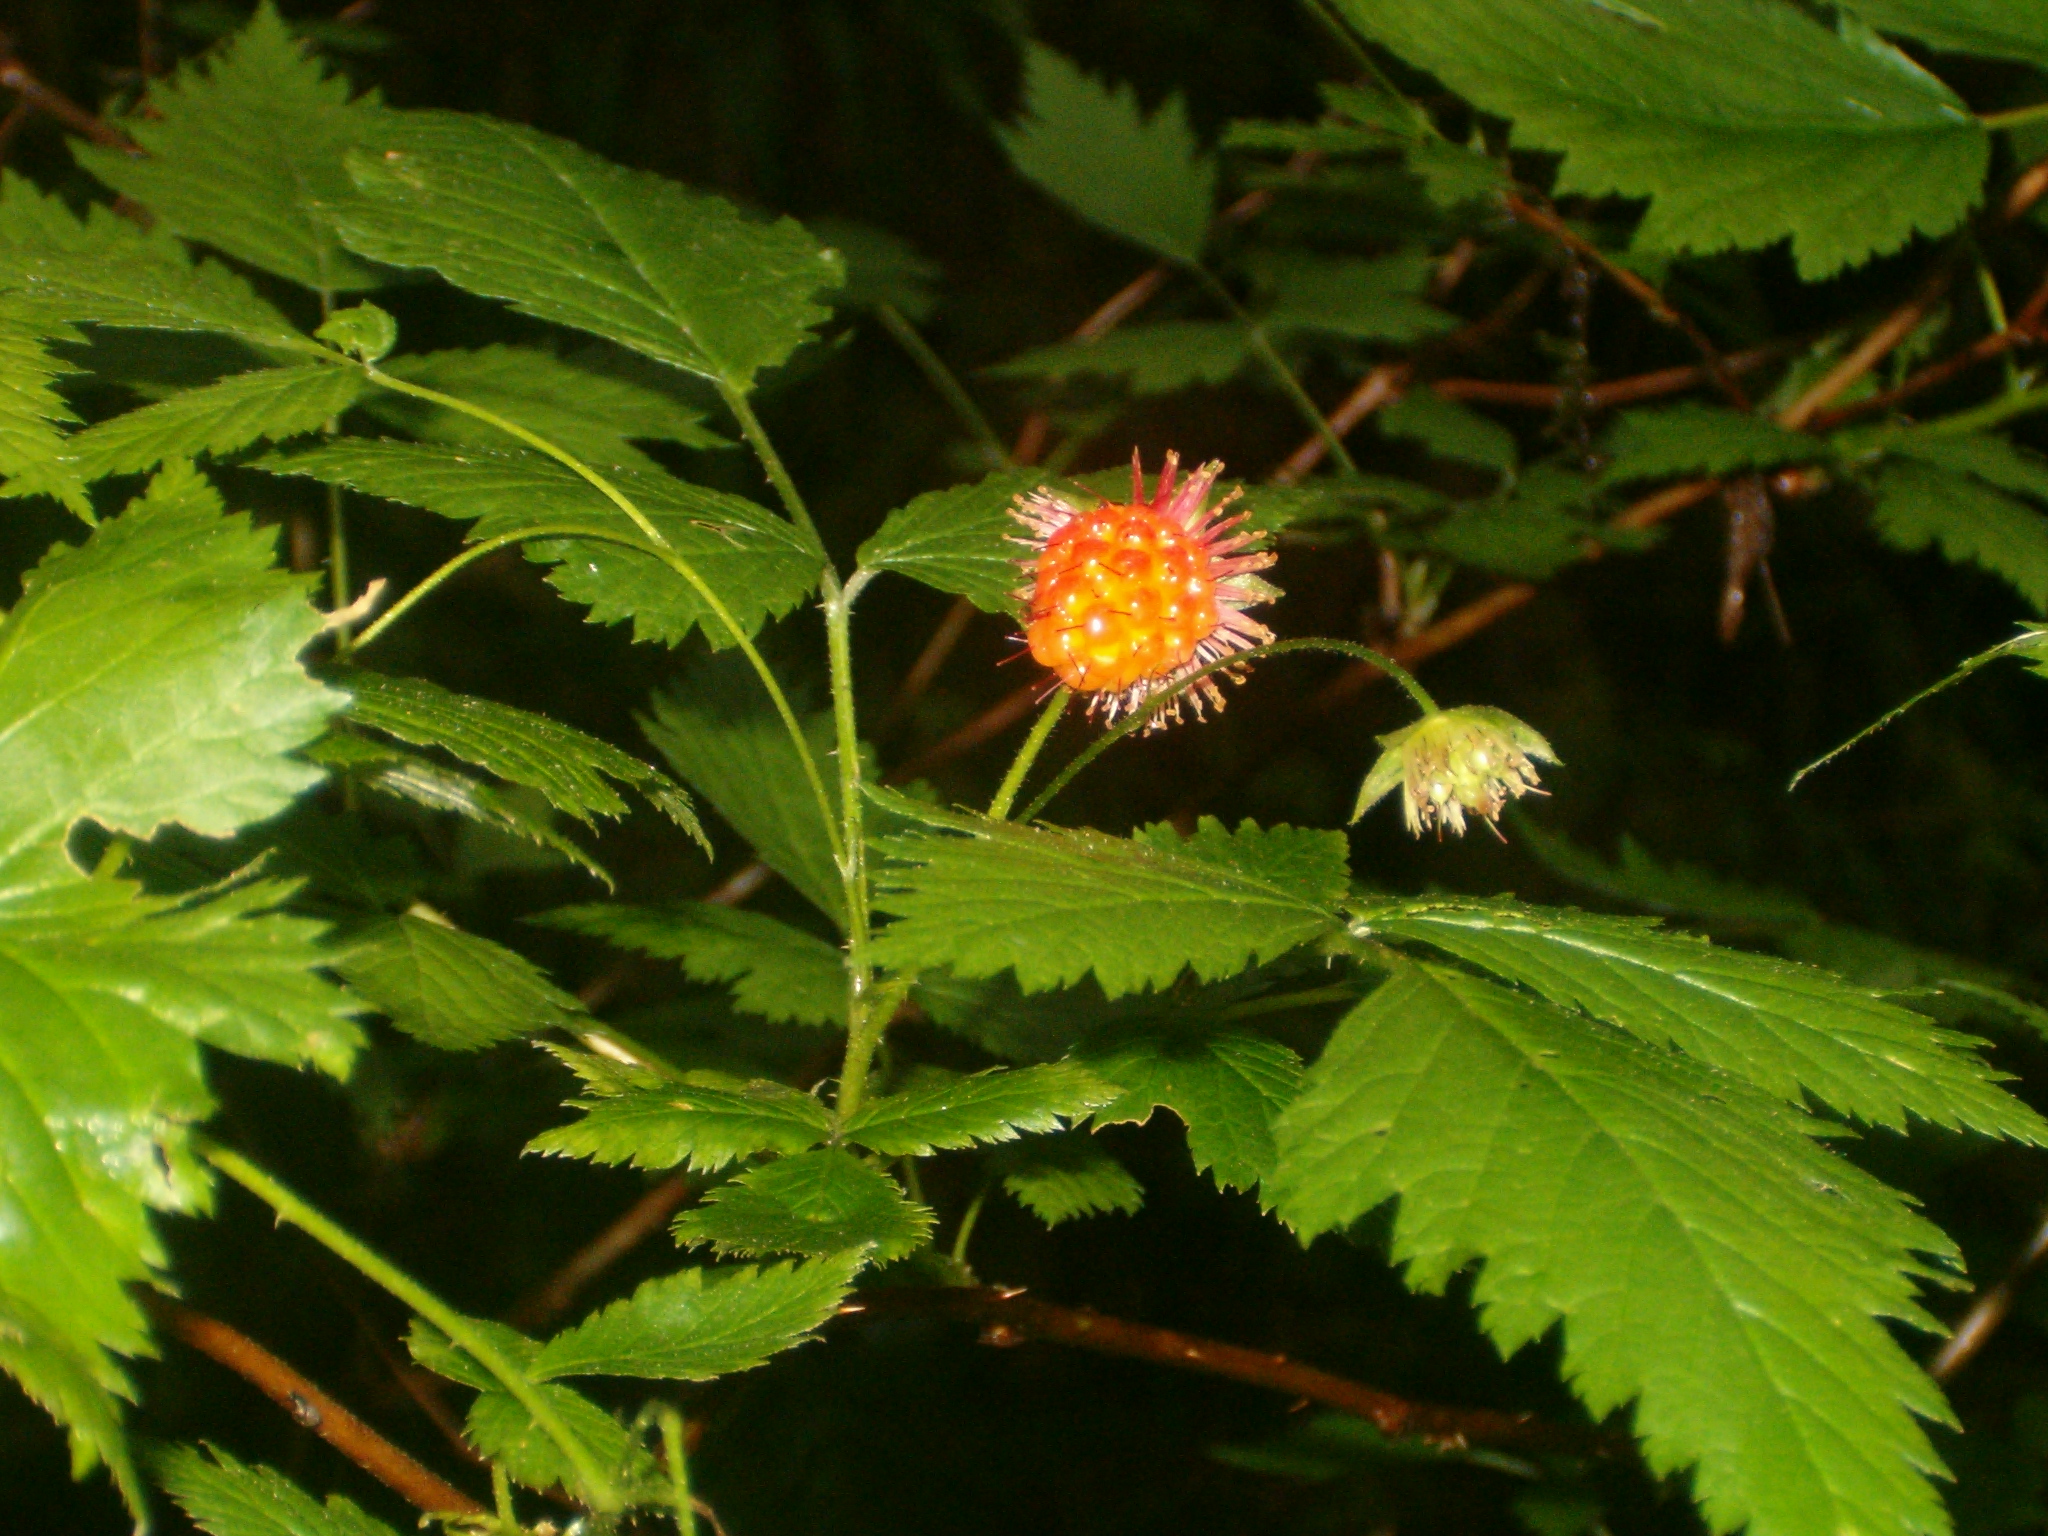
1758,259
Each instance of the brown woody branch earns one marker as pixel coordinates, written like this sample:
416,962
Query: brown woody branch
310,1406
1008,1317
641,1220
1989,1310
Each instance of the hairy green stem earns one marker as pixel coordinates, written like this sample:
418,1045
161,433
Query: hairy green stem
469,556
676,1450
501,1496
946,383
1006,792
863,1025
757,438
2018,117
464,1334
1139,719
660,549
968,1218
1283,375
337,565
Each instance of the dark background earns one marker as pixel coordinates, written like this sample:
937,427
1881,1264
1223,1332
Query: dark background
880,111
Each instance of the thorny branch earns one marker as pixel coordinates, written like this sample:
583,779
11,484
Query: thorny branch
1008,1317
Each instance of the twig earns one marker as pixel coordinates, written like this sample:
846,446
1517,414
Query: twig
1990,1309
993,721
644,1217
952,629
1008,1317
311,1407
15,76
1639,386
2024,328
1872,350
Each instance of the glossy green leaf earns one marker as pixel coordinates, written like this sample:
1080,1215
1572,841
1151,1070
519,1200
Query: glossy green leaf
421,782
1992,29
452,989
1790,1030
501,1428
244,154
563,235
226,1497
703,1323
31,447
776,971
1919,505
1708,1260
1061,1178
574,770
723,738
979,897
265,405
1154,359
815,1203
596,406
1093,148
758,564
1743,123
1227,1088
960,539
1693,438
994,1106
702,1124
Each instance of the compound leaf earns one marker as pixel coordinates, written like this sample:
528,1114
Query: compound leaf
1092,147
994,1106
1056,904
1227,1088
1787,1029
701,1323
1919,505
1706,1257
758,564
452,989
1744,123
815,1203
564,235
776,971
245,152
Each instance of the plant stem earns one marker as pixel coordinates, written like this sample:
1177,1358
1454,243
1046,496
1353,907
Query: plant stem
501,1495
337,565
1006,793
2018,117
968,1218
459,1329
946,382
756,435
1139,720
675,1448
864,1025
469,556
1262,344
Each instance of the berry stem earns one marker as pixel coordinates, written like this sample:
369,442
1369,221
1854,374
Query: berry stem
1006,794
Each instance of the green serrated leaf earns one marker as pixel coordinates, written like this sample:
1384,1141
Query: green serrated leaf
1531,529
424,783
1919,505
441,1355
502,1429
1992,29
1060,1178
703,1124
265,405
815,1203
245,154
1092,147
1995,460
31,447
701,1324
1153,359
564,235
722,737
1056,905
595,408
1787,1029
1376,299
1691,438
147,677
225,1497
1708,1260
1744,123
779,972
1227,1088
994,1106
1450,430
568,766
452,989
959,539
757,563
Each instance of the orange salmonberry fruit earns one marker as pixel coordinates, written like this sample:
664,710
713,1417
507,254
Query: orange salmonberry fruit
1129,598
